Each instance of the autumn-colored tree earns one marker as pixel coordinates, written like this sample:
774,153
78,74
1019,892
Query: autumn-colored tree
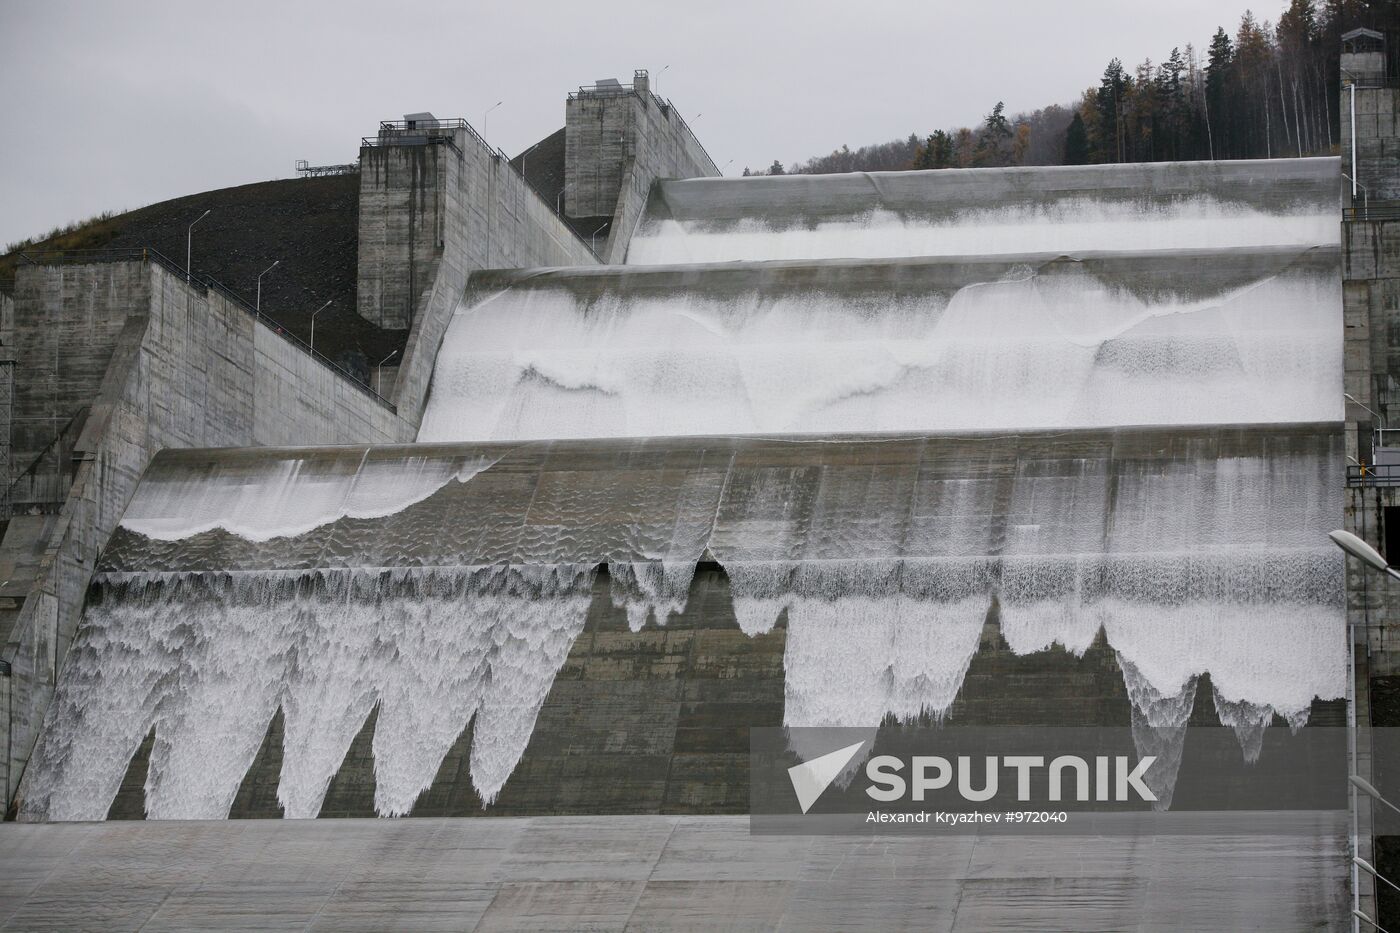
1257,91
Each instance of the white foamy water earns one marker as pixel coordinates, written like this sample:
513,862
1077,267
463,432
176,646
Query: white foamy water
207,662
1078,225
261,500
1203,294
560,358
988,212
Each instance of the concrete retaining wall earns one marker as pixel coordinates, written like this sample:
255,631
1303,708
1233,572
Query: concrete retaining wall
186,369
67,320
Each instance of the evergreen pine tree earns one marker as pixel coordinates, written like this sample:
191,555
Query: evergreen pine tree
1218,104
1109,102
994,142
1076,142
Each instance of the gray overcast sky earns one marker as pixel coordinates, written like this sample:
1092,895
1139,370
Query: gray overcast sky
116,105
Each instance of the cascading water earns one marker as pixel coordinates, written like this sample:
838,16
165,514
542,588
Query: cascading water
444,585
1030,342
989,212
1194,551
208,659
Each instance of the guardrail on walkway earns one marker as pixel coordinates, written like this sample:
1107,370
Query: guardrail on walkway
1372,474
208,284
1388,211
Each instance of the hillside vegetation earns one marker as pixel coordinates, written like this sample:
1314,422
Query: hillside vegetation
309,224
1263,90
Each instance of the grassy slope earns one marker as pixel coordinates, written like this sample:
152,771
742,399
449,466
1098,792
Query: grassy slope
310,224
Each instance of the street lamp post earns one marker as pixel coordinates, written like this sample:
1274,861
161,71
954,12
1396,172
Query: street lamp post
258,306
189,241
1352,86
522,160
1370,869
1358,548
487,114
313,323
558,201
1365,192
380,366
1359,915
593,238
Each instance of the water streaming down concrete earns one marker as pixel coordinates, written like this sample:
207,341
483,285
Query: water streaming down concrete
1032,341
345,630
1193,550
990,212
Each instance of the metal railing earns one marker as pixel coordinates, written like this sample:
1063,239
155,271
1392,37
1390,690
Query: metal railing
306,170
602,90
209,285
421,133
670,109
1374,474
1387,211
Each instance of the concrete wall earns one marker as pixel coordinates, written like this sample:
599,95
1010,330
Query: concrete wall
187,369
617,143
450,205
1377,126
493,220
7,319
67,320
401,228
1371,311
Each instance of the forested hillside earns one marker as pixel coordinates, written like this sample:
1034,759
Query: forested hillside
1263,90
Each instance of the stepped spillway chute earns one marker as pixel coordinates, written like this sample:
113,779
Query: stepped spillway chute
1194,550
1019,342
898,421
987,212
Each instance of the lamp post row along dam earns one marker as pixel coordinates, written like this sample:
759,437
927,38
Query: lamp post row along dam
666,457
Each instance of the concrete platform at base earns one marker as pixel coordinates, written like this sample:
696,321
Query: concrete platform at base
649,873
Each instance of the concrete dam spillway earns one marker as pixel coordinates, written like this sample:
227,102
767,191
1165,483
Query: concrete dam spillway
1212,296
889,411
991,212
1195,551
1195,337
